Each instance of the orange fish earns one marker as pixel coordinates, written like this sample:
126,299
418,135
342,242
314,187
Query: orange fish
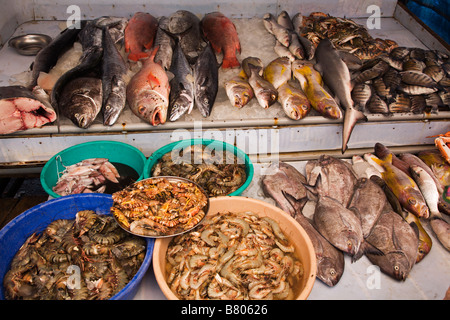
222,34
140,33
148,92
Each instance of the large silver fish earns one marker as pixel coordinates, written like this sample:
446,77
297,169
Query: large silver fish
336,76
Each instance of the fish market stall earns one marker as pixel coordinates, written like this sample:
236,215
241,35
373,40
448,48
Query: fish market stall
266,127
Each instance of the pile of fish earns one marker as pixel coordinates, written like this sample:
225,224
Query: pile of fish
89,175
92,246
405,80
370,207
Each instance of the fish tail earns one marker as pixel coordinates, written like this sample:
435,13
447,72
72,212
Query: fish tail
137,56
153,53
352,116
230,62
366,248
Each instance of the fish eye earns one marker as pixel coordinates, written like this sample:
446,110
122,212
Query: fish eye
412,201
396,268
332,272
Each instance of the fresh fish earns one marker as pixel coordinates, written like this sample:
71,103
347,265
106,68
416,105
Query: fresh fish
148,92
165,44
399,53
330,261
368,202
186,26
181,97
392,80
280,33
425,242
415,90
285,180
48,56
428,188
339,225
435,72
353,62
337,77
434,101
282,51
114,70
414,77
374,161
413,64
377,105
418,104
308,47
140,34
398,242
285,21
381,151
361,94
331,177
404,188
238,91
20,110
413,160
297,22
254,62
438,165
278,71
206,81
311,83
222,34
376,71
81,100
442,230
293,100
396,64
363,169
381,89
264,91
400,103
295,47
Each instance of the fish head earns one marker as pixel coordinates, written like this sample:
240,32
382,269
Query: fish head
85,111
423,249
329,109
413,202
400,265
267,97
328,271
151,107
296,110
352,243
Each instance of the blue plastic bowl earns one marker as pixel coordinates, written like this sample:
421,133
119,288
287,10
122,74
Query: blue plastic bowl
214,144
36,219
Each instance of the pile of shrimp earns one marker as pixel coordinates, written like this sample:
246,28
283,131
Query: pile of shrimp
233,256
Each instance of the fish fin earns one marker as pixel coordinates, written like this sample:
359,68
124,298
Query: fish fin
366,248
318,68
137,56
415,228
153,53
297,204
230,62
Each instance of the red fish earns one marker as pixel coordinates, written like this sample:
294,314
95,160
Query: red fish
148,92
140,33
222,34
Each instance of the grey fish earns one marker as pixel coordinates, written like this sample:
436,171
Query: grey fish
282,51
280,32
113,69
297,22
442,230
181,98
361,94
337,77
412,159
295,47
285,21
330,261
396,64
81,100
398,241
165,43
186,25
368,202
48,56
264,91
206,80
376,71
254,62
285,180
399,53
331,177
415,90
339,225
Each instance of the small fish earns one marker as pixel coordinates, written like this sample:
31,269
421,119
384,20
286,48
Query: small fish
140,33
435,72
148,92
412,159
295,47
280,33
361,94
278,71
400,103
413,64
381,89
374,161
222,35
438,165
293,100
428,188
239,91
256,63
415,90
414,77
363,169
377,105
381,151
442,230
418,104
308,47
376,71
264,91
206,80
81,100
282,51
285,21
399,53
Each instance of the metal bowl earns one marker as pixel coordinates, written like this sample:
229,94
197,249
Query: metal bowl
29,44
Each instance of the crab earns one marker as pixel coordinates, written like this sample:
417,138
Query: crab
442,142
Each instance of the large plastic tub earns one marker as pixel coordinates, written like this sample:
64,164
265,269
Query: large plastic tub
36,219
213,144
115,151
